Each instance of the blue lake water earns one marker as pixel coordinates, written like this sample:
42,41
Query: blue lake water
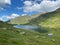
31,28
28,27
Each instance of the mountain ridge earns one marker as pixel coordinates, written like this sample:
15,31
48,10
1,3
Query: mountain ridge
47,19
22,19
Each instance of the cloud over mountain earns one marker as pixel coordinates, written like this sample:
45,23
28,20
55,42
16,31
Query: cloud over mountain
44,6
9,17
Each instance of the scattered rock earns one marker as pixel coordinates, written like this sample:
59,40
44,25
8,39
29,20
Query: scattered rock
50,34
22,33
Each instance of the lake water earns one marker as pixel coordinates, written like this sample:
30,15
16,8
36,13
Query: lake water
27,27
30,28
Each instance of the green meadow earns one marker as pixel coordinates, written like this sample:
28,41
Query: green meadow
48,34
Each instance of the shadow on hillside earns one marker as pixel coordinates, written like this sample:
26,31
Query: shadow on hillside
56,29
43,17
46,29
41,29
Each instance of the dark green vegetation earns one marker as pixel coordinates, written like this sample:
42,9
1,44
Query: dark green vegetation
49,22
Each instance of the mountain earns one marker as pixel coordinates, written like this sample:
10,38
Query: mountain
22,19
51,19
13,36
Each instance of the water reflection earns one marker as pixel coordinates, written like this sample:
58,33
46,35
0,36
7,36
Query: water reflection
31,28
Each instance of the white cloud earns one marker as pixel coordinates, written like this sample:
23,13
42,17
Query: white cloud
1,9
28,3
4,18
12,16
44,6
3,2
19,8
8,1
23,14
1,18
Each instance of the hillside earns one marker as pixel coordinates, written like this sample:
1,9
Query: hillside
22,19
13,36
51,20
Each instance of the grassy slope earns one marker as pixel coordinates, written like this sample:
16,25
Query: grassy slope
51,20
13,36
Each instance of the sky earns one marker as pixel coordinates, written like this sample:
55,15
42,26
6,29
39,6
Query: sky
10,9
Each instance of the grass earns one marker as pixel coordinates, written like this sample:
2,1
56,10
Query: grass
53,22
47,18
47,22
13,36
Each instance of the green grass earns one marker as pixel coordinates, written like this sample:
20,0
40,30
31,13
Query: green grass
53,22
49,22
13,36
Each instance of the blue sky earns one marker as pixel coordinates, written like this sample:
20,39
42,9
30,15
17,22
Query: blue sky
13,8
